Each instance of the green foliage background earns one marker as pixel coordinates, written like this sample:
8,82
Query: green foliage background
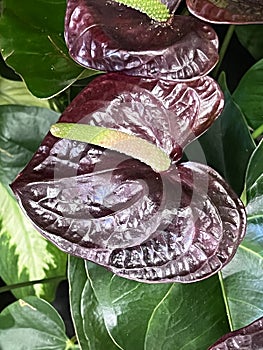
109,312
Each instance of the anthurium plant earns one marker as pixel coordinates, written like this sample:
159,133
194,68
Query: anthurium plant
132,168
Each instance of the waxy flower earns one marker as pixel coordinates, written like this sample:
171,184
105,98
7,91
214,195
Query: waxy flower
183,224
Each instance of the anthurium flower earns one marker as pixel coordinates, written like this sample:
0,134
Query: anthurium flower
227,11
109,36
183,224
249,337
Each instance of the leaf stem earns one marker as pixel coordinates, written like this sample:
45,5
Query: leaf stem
30,283
257,132
224,295
223,49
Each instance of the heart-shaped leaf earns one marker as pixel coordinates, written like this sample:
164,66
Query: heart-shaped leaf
31,41
181,225
112,37
227,11
249,337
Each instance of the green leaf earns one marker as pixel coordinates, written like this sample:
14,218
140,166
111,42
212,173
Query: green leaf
24,254
21,131
243,277
85,310
16,93
248,95
227,144
147,316
32,323
251,37
254,182
31,41
243,281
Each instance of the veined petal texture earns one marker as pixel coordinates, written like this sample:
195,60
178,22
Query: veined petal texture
182,225
107,36
227,11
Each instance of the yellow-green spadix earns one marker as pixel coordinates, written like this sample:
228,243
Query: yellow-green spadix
115,140
154,9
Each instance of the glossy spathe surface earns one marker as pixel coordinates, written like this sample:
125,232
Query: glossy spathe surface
227,11
247,338
108,36
180,225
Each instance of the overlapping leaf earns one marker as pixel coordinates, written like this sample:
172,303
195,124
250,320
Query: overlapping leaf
116,313
227,11
31,41
32,323
243,277
112,37
16,93
183,224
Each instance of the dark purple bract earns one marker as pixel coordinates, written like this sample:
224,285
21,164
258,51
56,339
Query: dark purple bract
107,36
247,338
227,11
180,225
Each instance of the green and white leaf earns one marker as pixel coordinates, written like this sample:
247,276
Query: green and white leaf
24,254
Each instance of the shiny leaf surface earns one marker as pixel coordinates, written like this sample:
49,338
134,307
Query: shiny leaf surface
32,324
249,337
227,11
251,37
31,42
243,277
181,225
112,37
228,144
248,95
21,131
254,181
86,310
163,316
